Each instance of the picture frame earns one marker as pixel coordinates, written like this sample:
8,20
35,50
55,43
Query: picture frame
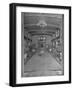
27,21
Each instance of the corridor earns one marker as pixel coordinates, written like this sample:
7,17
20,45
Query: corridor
42,45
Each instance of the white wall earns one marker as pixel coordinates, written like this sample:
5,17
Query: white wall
4,45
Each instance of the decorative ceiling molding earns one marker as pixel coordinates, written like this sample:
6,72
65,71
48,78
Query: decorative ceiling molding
30,28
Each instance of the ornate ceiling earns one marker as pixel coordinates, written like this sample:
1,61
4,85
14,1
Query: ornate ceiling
40,23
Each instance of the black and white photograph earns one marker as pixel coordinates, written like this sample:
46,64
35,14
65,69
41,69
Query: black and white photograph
40,40
42,44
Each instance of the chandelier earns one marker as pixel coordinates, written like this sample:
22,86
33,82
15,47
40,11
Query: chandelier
42,23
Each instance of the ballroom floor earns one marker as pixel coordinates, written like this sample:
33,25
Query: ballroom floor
42,65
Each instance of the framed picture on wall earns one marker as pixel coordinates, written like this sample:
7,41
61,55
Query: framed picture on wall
40,44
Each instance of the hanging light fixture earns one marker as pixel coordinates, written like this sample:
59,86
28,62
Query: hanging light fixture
42,23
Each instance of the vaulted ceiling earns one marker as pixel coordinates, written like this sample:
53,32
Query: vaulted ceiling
42,23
